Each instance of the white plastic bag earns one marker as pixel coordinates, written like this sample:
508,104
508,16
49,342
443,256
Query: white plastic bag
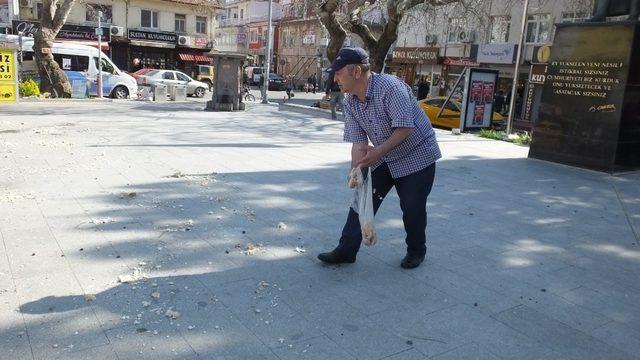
360,180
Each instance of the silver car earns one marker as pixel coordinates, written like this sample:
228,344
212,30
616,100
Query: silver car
172,77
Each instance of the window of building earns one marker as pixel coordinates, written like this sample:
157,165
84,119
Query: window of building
500,26
149,19
538,28
235,15
201,24
241,14
574,16
92,13
181,23
253,36
38,10
455,27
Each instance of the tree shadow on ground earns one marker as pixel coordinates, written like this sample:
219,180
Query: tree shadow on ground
246,287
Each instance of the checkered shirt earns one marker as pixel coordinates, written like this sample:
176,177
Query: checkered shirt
389,104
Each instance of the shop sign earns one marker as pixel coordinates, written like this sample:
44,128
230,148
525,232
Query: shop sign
541,54
538,73
415,55
496,53
460,61
152,36
68,32
200,41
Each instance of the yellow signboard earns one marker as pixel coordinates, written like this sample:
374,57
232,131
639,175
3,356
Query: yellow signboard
7,92
8,88
7,64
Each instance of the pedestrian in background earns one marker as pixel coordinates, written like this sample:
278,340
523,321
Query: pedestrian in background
423,89
289,86
332,89
381,108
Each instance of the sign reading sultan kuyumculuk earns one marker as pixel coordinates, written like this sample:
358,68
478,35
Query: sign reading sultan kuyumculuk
496,53
152,36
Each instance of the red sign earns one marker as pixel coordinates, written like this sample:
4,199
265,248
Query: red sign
460,61
200,41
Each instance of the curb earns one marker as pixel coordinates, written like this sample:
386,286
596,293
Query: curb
65,101
309,110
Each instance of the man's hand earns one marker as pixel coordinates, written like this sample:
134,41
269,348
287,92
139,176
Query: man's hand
373,155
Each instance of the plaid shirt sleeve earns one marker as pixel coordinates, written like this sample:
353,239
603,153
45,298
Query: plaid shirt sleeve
397,106
353,132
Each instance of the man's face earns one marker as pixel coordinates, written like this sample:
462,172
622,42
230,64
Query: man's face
346,78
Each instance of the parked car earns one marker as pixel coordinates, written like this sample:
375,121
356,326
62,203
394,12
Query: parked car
450,117
277,82
140,72
204,73
172,77
253,74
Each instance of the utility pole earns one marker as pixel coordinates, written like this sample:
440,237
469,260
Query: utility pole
99,33
267,63
512,103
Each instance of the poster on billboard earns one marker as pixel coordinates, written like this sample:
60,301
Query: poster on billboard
477,99
476,92
488,92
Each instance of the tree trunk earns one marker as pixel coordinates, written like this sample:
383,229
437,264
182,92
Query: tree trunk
52,78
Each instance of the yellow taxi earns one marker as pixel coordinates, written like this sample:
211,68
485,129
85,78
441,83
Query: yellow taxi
450,117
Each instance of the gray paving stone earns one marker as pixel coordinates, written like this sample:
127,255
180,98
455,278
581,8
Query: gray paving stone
320,347
619,336
561,338
567,231
468,351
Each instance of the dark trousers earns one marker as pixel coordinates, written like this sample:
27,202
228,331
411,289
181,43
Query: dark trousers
413,191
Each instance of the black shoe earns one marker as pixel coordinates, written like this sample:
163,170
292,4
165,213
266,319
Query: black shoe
335,257
411,261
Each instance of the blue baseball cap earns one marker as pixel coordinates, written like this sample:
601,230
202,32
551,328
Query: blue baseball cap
347,56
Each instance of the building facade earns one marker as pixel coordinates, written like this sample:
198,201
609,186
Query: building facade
242,28
487,38
162,34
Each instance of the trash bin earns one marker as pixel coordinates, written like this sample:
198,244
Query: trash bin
178,93
159,92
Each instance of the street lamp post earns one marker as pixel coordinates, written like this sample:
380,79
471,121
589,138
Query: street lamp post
99,33
267,62
514,87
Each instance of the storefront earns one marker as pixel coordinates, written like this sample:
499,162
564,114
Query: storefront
411,63
148,49
452,69
72,33
533,89
191,52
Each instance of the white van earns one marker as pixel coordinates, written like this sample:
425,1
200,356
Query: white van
83,59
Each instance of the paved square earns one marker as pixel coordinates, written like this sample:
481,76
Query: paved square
212,221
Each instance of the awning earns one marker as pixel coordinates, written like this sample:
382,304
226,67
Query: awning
202,58
153,44
186,57
105,45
